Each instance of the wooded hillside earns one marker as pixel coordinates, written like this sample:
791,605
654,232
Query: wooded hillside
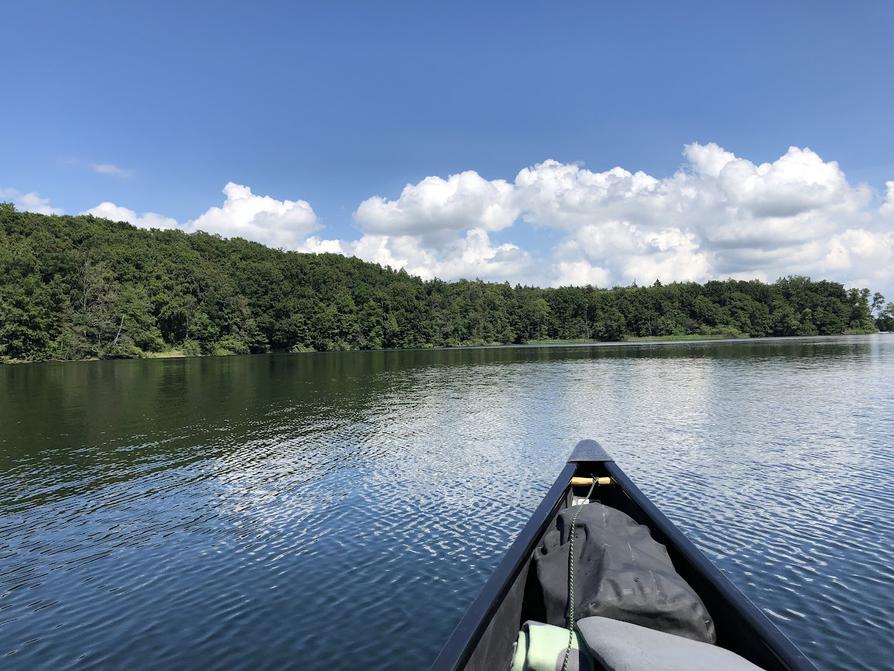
81,287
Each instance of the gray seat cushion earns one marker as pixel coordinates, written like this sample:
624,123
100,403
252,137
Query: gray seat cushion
621,646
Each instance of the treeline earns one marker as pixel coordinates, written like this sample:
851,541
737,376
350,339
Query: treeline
82,287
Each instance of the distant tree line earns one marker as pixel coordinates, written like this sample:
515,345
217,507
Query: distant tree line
82,287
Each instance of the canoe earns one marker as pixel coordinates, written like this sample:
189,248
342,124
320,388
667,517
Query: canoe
485,637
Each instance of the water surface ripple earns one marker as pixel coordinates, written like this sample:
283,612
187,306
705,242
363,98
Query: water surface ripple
333,511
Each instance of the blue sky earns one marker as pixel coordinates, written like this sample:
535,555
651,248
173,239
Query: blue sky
331,104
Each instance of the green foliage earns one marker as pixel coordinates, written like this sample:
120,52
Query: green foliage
230,344
191,348
884,313
81,287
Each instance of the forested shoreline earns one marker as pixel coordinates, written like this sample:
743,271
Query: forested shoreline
79,287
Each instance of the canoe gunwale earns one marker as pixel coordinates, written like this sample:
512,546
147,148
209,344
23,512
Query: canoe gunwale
468,632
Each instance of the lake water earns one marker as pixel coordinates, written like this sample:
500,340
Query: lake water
340,511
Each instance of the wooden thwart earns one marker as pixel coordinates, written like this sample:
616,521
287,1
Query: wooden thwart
578,481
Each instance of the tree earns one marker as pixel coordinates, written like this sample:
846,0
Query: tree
97,320
884,313
885,319
537,315
861,311
878,303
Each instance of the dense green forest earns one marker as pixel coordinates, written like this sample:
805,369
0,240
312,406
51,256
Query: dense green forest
82,287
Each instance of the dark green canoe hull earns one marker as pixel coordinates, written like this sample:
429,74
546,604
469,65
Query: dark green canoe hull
484,636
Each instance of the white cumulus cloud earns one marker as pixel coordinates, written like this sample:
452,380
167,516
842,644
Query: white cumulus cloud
439,228
718,216
469,255
436,205
108,210
887,208
580,273
28,202
264,219
278,223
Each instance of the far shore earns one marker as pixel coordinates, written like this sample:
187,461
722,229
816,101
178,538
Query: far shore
546,342
665,338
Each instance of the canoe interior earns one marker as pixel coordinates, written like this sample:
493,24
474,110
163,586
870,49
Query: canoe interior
485,636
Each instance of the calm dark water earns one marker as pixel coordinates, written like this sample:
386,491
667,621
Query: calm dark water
339,511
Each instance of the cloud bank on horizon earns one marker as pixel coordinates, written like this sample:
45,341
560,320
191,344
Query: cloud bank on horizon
717,216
